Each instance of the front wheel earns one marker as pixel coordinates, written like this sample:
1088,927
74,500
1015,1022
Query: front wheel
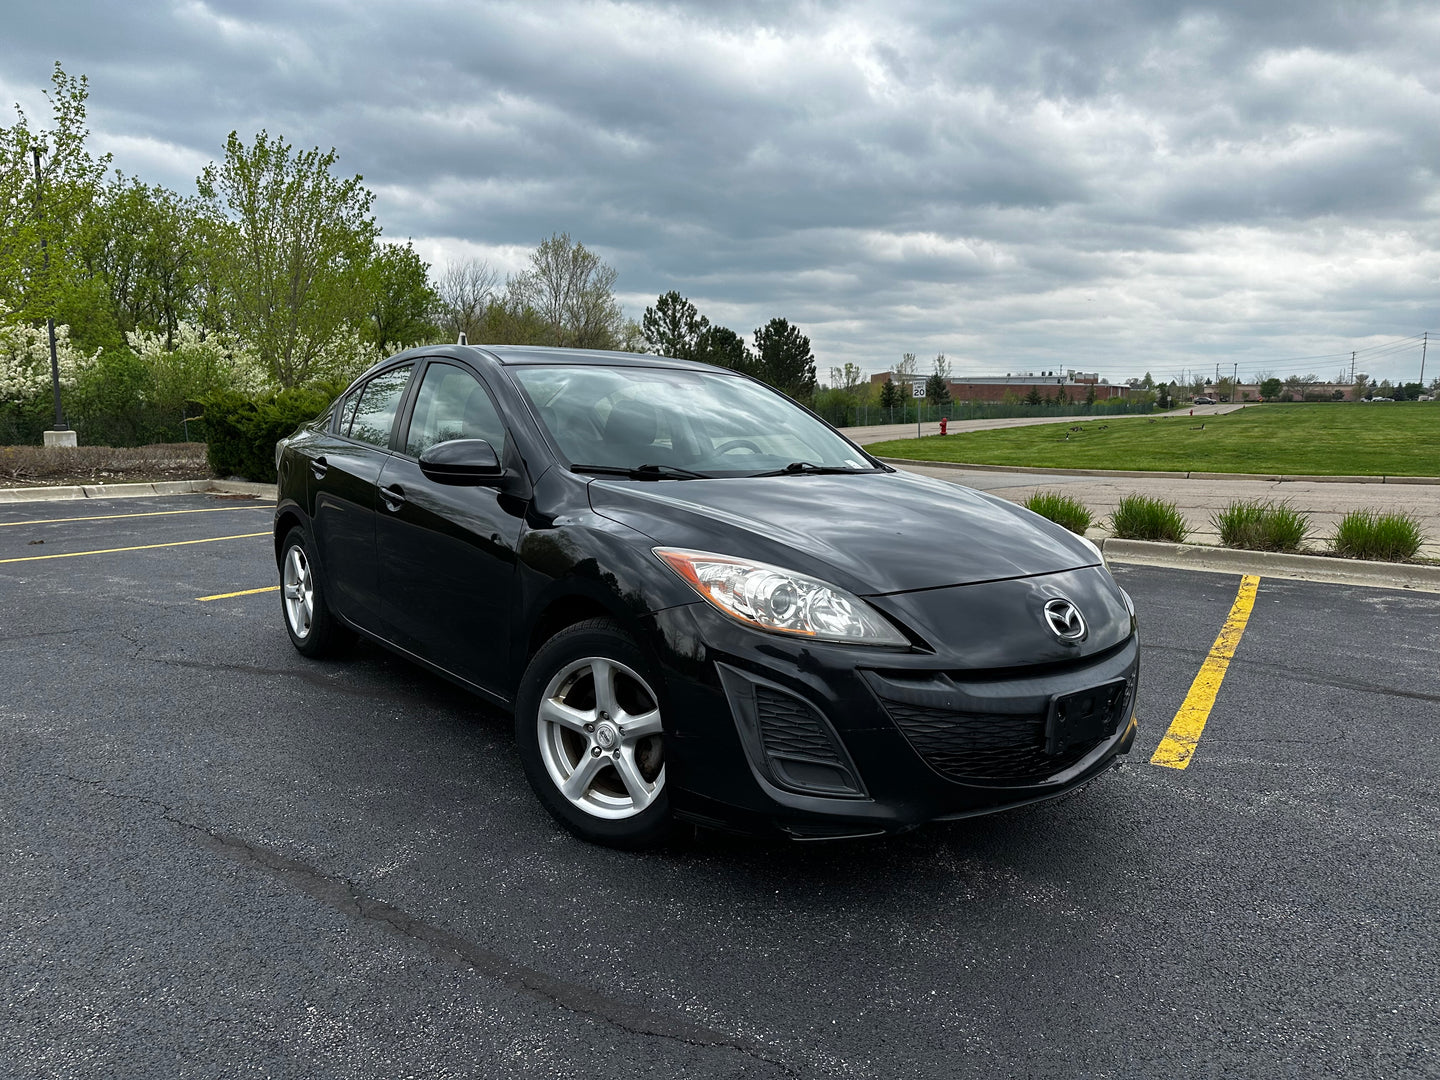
589,729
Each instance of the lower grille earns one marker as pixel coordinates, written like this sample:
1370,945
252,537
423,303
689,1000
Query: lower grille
990,748
790,728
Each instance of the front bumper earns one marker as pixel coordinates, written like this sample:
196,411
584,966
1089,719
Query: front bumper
817,740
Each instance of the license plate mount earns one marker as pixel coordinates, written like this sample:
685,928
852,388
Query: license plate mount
1084,717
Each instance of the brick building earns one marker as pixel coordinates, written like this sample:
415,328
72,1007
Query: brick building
1072,385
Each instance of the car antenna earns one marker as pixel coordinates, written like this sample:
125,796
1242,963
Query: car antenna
462,340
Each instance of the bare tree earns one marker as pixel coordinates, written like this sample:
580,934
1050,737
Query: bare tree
466,289
571,289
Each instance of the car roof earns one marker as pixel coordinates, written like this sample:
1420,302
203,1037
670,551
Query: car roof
547,354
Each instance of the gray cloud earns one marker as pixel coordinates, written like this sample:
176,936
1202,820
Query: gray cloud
1126,186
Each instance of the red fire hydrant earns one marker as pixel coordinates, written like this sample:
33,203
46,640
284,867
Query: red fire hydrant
944,422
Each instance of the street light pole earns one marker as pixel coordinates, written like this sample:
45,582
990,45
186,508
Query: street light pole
60,424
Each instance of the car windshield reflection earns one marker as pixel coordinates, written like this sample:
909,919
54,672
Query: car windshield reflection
671,423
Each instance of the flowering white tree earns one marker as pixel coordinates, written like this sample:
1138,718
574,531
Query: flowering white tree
25,359
197,364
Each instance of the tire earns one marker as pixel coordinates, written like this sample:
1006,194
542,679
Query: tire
312,627
589,730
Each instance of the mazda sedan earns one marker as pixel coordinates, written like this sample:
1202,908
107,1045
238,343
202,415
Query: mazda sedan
700,601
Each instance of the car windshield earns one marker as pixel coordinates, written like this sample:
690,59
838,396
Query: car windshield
683,424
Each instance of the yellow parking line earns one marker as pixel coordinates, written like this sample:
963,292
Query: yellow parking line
1178,745
152,513
242,592
137,547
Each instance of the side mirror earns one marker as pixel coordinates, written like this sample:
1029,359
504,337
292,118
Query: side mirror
462,462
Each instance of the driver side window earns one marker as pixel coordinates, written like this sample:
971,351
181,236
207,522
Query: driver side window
452,404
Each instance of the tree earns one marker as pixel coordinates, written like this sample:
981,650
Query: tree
848,379
937,386
572,291
937,391
1033,397
400,298
1360,388
673,327
40,222
1270,388
1147,382
146,249
889,394
464,292
300,239
784,360
723,347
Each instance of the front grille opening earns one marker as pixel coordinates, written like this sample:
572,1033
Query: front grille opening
993,748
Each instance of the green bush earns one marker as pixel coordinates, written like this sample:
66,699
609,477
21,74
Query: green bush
1261,526
1368,534
241,432
1061,509
1139,517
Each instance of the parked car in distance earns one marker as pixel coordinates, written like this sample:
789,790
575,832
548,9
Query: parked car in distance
1206,401
699,600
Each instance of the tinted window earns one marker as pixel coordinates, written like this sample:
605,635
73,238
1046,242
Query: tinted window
375,414
452,404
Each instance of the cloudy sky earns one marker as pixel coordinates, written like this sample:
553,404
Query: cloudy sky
1104,185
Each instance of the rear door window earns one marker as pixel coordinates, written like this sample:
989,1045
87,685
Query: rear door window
378,404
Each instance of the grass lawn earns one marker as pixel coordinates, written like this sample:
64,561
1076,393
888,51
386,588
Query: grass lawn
1333,439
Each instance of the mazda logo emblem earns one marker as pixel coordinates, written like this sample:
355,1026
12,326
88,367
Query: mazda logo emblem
1064,620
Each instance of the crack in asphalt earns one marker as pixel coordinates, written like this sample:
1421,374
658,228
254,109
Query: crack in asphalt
343,896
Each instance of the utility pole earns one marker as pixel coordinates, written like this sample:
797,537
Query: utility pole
1423,343
1352,369
60,424
1234,381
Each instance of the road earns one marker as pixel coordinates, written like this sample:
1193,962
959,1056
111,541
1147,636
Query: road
225,860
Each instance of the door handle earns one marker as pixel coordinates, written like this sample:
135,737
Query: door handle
318,468
394,496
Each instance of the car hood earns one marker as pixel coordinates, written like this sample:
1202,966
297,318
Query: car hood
872,533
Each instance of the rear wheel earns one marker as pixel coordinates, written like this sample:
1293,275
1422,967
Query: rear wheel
589,728
308,620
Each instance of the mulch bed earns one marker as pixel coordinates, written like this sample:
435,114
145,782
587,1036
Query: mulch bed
53,466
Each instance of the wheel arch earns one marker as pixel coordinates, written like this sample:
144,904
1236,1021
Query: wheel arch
288,519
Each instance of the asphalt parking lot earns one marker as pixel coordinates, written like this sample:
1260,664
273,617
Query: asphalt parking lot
224,860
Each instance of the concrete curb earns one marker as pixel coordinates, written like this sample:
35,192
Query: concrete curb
1273,477
1323,568
133,491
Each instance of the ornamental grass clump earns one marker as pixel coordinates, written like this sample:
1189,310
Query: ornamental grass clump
1139,517
1262,526
1368,534
1061,509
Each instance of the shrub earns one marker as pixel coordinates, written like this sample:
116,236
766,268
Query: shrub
1139,517
1061,509
241,432
1261,526
1368,534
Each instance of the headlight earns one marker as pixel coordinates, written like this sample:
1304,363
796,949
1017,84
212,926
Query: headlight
783,601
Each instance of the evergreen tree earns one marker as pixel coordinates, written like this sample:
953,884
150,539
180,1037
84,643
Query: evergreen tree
784,360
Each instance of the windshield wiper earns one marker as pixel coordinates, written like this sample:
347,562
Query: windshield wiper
811,469
642,472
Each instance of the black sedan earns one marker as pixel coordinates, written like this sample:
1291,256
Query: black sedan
701,601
